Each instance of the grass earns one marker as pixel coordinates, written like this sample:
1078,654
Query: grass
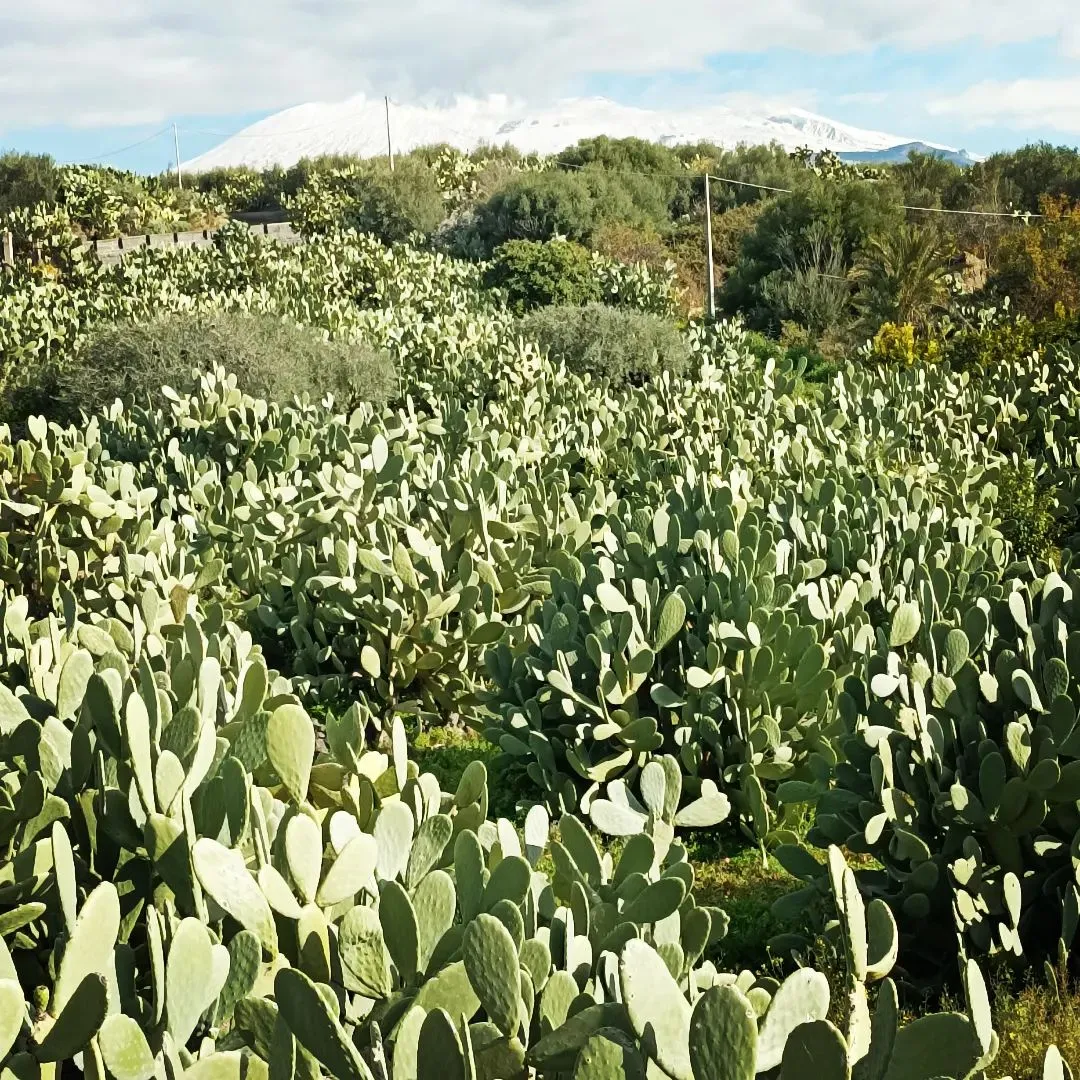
1030,1012
734,877
446,751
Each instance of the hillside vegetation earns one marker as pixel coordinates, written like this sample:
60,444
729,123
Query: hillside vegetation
437,648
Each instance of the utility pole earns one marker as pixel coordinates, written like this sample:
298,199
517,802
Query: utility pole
176,143
389,144
710,278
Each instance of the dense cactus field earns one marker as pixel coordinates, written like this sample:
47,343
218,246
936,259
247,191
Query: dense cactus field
729,603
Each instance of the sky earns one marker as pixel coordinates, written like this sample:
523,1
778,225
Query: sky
85,80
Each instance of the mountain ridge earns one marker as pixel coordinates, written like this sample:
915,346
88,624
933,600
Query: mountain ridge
358,126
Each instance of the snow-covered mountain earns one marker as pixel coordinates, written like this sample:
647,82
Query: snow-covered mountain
358,126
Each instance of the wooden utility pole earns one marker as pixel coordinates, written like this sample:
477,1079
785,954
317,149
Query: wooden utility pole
710,273
9,248
176,143
389,144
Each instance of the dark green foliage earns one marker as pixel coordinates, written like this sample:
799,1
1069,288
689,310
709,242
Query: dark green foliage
242,189
572,204
1027,513
271,359
27,180
925,178
1008,342
394,205
661,164
770,166
369,197
816,231
901,278
534,274
810,285
1034,171
615,344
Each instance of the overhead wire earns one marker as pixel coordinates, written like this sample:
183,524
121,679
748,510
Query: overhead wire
1021,215
116,153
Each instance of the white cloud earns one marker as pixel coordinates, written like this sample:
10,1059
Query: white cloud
90,63
1020,103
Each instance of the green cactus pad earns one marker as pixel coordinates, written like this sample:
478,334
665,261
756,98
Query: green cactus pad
427,848
245,961
802,997
78,1022
468,873
90,949
557,1051
228,1065
723,1035
303,852
434,902
450,990
400,929
225,877
941,1044
315,1027
352,871
189,977
393,836
407,1044
491,961
124,1048
658,1011
12,1015
64,868
816,1050
440,1055
882,1035
609,1055
509,881
290,746
365,962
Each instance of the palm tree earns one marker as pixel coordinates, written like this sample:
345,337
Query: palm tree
902,277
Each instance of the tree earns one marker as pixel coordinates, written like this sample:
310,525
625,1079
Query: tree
1037,170
1039,264
572,204
820,227
925,179
27,180
902,277
810,286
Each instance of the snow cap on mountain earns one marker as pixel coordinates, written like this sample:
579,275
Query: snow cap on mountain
358,126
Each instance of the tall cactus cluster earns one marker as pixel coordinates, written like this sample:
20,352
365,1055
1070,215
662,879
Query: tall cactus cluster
712,605
193,887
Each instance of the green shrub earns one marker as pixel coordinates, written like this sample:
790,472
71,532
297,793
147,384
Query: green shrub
1027,513
543,205
372,199
611,343
27,180
271,359
394,205
794,262
535,274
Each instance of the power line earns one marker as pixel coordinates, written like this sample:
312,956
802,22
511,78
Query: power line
790,191
116,153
